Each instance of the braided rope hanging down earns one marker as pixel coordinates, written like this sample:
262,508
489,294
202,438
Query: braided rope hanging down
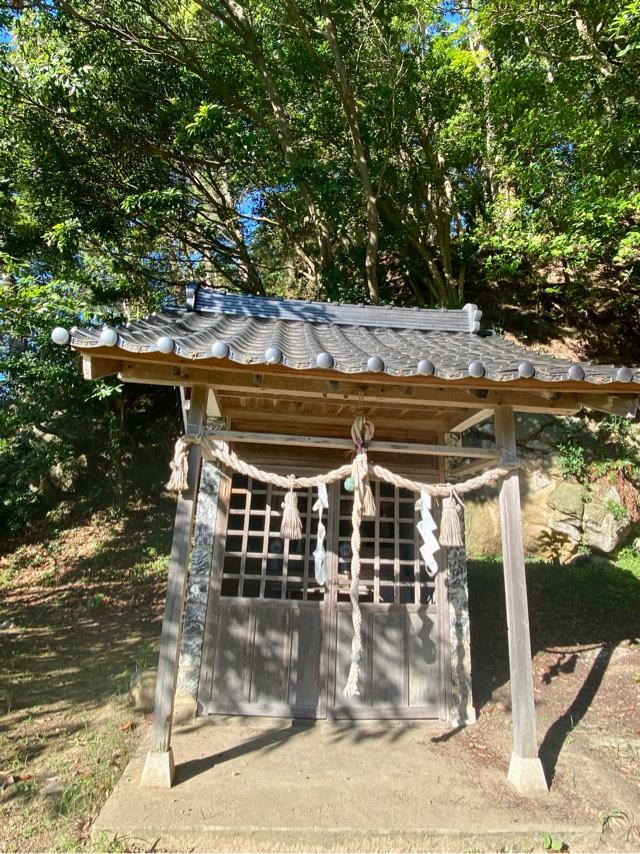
450,533
363,505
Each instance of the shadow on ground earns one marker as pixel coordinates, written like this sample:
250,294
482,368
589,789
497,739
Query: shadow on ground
574,610
83,610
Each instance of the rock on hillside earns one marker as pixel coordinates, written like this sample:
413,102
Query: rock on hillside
562,515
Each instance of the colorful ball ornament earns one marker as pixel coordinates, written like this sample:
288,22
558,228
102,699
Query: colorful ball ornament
350,484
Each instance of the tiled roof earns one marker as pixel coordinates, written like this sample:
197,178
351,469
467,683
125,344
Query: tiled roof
346,339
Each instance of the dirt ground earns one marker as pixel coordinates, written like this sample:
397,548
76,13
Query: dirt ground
81,610
585,636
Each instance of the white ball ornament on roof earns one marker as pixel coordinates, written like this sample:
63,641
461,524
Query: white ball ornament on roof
426,367
576,372
375,364
108,337
324,360
219,350
60,336
476,369
526,370
273,356
165,344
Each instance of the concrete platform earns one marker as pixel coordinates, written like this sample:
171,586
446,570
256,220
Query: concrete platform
272,785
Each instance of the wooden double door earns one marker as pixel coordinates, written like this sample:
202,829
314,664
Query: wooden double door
279,643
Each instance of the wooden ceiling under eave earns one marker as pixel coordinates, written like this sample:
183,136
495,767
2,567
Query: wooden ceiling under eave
263,414
277,399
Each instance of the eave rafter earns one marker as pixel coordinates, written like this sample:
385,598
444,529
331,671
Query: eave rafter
477,397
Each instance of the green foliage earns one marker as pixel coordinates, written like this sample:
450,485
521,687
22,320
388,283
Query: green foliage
382,152
572,455
603,450
95,602
617,510
552,843
386,151
628,558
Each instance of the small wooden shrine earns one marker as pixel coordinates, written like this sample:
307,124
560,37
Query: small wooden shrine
317,568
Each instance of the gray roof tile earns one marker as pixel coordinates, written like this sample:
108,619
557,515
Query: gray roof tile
250,326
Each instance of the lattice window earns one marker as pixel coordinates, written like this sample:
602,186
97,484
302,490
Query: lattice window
258,563
392,570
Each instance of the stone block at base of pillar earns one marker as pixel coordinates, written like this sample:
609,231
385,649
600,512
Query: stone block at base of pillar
459,720
185,710
527,776
159,769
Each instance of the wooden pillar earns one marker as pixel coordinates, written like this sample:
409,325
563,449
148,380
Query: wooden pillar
159,765
525,768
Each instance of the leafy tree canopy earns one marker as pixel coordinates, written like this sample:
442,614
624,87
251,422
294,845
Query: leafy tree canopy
342,149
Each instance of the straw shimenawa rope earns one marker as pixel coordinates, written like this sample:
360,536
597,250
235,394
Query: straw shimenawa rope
360,470
211,451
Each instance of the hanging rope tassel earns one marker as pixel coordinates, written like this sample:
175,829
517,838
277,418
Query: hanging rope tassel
368,501
178,481
291,527
450,534
362,433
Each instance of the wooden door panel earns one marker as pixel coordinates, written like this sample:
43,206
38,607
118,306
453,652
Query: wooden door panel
269,655
283,644
389,659
269,660
270,667
424,676
342,661
232,659
307,682
400,670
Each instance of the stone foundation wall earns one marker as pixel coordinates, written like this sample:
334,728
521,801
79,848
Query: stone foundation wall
461,710
198,585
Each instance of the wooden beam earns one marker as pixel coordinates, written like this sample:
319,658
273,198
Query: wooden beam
459,424
465,469
525,768
539,387
213,407
93,369
159,765
625,407
259,417
231,436
300,386
559,398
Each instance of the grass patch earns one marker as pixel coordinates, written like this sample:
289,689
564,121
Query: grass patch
606,585
628,559
73,771
80,611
